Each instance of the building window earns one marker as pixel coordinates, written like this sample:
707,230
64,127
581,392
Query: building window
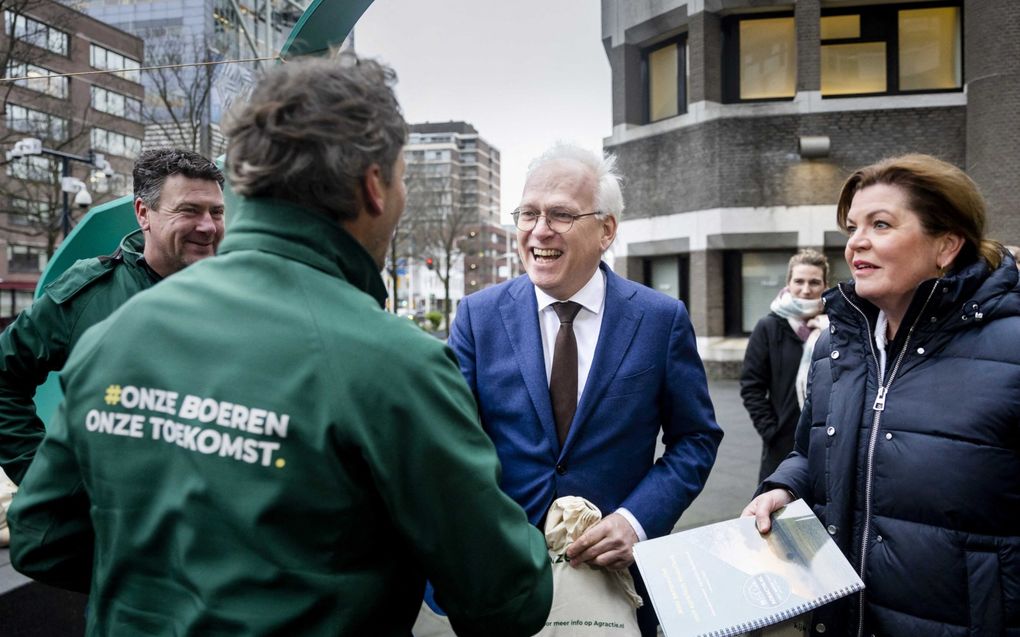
116,143
889,50
36,33
12,302
759,57
669,275
752,281
107,101
34,168
35,123
22,259
36,78
107,60
664,68
22,211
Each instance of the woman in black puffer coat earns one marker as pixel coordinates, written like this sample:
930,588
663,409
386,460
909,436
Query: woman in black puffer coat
908,449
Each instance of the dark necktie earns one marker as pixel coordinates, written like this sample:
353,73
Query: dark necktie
563,379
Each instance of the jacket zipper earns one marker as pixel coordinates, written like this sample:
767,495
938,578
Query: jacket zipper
878,407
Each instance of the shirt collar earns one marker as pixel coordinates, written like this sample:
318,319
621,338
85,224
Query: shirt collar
590,297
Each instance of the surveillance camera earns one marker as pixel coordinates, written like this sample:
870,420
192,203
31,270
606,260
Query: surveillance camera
83,199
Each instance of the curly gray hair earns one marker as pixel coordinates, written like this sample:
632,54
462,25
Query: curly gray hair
312,128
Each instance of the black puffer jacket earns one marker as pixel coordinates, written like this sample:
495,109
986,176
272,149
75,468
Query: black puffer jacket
923,494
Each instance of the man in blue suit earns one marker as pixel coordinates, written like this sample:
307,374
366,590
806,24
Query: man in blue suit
576,370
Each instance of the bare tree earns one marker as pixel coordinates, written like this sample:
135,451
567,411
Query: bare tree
178,98
440,222
30,193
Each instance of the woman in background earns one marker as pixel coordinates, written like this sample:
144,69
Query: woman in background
908,449
778,355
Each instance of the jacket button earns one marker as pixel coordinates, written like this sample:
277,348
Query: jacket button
920,350
820,628
561,469
878,538
888,436
831,529
831,431
832,329
834,355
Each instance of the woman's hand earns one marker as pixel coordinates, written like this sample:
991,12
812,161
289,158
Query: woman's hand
764,506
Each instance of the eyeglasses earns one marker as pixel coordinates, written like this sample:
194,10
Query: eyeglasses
559,221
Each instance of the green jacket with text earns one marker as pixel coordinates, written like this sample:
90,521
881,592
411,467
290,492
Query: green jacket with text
259,448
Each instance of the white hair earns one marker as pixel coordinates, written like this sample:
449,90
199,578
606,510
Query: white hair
608,196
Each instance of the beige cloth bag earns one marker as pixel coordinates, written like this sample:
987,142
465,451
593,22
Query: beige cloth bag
587,601
7,491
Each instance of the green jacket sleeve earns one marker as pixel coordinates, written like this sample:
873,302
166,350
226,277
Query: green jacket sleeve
52,539
438,476
35,344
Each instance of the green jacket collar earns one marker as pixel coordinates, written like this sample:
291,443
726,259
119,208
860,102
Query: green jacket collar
132,250
296,233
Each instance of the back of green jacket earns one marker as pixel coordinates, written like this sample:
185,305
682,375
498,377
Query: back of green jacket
259,448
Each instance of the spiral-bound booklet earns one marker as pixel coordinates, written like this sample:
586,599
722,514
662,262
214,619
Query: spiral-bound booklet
726,579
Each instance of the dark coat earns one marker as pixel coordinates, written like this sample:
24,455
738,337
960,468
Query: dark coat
922,493
767,387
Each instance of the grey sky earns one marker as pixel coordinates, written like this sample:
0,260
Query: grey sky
525,73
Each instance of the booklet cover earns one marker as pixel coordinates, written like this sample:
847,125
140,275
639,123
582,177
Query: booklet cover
725,579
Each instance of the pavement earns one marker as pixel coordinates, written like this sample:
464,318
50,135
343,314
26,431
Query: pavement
28,609
735,475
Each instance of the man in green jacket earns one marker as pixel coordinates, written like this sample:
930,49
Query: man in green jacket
179,207
255,447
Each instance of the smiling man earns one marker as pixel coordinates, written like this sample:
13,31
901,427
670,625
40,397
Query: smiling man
179,208
577,370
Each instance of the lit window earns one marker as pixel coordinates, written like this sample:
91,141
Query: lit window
930,49
759,57
666,80
882,49
849,69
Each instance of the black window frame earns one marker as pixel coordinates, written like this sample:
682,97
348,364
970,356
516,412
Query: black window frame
680,41
880,23
683,274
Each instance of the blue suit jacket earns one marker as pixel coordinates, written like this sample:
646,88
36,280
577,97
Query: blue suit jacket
646,376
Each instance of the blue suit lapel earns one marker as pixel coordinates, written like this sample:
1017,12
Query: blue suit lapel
619,324
519,310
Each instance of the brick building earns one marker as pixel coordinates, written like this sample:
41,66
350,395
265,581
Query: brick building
736,122
72,115
454,200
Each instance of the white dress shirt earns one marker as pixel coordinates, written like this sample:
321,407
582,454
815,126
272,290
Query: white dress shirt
587,326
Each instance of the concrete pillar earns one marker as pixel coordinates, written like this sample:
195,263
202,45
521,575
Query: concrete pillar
992,75
704,49
807,17
706,306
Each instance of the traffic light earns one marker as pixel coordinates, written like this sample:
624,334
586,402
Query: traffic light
429,263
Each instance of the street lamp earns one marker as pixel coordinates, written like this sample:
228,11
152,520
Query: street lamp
68,184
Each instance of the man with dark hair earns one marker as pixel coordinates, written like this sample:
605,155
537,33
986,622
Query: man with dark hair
179,206
286,458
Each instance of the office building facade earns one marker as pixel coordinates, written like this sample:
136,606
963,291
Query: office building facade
97,113
737,121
